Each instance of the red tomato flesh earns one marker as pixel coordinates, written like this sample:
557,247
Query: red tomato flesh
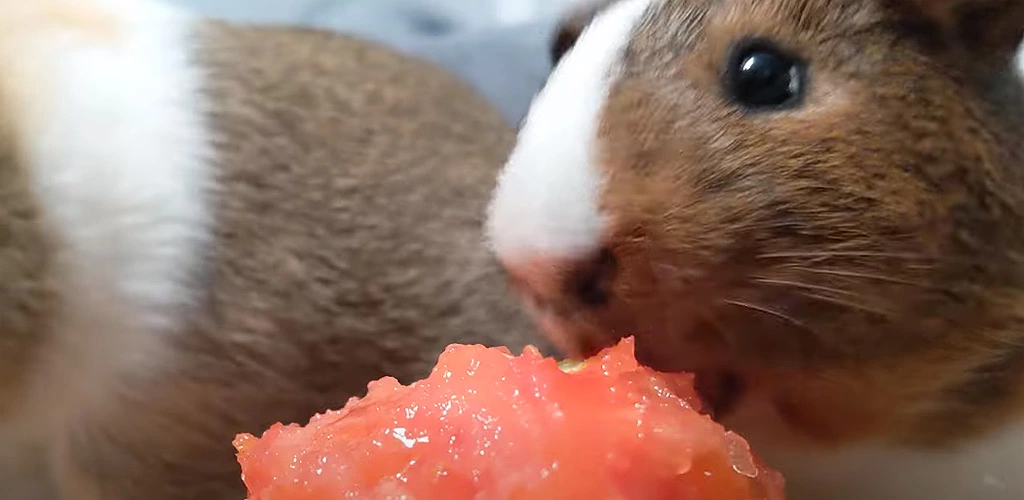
489,425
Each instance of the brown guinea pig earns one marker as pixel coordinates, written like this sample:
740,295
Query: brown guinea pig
208,228
817,205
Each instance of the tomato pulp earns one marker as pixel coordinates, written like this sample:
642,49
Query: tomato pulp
490,425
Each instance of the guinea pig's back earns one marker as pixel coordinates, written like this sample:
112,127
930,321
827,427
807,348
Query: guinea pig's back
351,187
353,182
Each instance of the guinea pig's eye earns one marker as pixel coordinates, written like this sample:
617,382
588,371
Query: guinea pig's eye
761,76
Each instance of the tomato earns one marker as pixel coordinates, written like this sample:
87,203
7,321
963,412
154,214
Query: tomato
489,425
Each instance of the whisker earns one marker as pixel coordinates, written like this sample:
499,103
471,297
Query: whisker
797,284
792,255
857,274
844,303
767,311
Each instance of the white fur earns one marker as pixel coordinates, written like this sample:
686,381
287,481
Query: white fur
546,201
1020,60
108,114
990,468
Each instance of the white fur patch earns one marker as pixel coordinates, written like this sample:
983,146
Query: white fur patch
991,468
546,202
1020,61
107,109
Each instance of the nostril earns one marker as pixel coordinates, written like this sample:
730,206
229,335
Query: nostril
592,284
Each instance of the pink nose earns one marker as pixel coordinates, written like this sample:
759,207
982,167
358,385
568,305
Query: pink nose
562,284
568,298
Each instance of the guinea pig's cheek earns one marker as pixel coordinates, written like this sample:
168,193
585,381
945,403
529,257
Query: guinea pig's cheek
674,351
817,415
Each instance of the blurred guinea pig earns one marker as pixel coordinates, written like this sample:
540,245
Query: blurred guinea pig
816,205
207,228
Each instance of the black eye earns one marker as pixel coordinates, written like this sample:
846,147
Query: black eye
760,76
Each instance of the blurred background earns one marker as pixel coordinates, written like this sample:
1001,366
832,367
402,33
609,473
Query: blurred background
498,46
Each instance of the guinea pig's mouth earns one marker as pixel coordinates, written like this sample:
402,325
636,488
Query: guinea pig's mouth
718,384
720,391
720,388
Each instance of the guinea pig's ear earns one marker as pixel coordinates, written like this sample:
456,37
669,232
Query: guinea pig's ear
571,25
988,28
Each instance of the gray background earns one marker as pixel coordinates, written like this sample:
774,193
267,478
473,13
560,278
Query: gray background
498,46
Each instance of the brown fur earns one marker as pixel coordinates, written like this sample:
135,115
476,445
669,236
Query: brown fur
353,184
27,270
858,258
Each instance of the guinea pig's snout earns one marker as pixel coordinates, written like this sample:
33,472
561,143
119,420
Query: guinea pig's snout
561,285
570,299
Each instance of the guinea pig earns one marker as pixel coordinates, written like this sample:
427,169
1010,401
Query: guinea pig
206,228
815,205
